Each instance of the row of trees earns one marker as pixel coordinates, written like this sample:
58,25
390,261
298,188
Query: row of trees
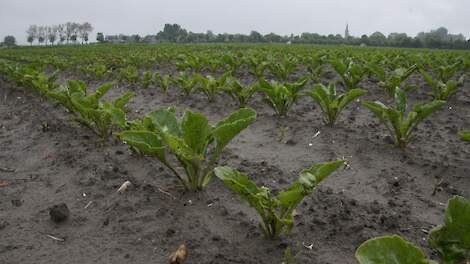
68,32
439,38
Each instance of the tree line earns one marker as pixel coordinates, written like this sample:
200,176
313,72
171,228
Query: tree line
439,38
69,32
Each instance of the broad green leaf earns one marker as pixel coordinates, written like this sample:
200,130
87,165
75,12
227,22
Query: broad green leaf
75,86
103,89
165,119
227,129
400,100
180,148
465,135
145,141
377,108
196,129
123,100
452,240
390,250
117,116
312,176
424,110
240,184
350,96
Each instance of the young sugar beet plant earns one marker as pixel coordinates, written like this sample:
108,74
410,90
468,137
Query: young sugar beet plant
211,86
442,90
279,96
241,93
90,110
402,127
350,72
195,144
276,211
163,81
451,240
389,82
186,82
147,79
332,103
283,69
129,74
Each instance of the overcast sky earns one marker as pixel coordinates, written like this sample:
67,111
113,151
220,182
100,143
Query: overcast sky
239,16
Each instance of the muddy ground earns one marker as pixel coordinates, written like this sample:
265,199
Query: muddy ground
384,191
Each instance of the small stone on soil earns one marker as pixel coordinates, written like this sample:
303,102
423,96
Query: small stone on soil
59,212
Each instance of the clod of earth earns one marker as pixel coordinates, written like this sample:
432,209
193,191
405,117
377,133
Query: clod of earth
59,213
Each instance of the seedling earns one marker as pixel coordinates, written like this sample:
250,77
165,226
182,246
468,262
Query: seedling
163,81
241,93
402,127
276,211
442,90
280,97
195,144
330,102
393,80
350,72
100,116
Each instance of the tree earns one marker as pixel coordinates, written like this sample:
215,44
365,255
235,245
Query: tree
32,33
41,34
52,34
271,37
9,41
30,40
210,36
84,30
100,37
255,36
365,39
377,39
173,33
61,33
71,31
135,38
399,40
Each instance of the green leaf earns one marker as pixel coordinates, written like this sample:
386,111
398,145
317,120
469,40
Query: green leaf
240,184
180,148
103,89
165,119
350,96
378,108
312,176
424,110
145,141
76,86
465,135
400,100
225,130
452,240
196,129
390,250
117,116
123,100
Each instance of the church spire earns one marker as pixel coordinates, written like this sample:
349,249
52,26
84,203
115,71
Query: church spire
346,32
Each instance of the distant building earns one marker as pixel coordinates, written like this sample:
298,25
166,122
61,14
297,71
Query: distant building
346,32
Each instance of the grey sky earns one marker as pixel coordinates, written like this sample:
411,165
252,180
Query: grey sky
239,16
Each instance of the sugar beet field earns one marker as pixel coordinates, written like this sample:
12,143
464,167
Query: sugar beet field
234,154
